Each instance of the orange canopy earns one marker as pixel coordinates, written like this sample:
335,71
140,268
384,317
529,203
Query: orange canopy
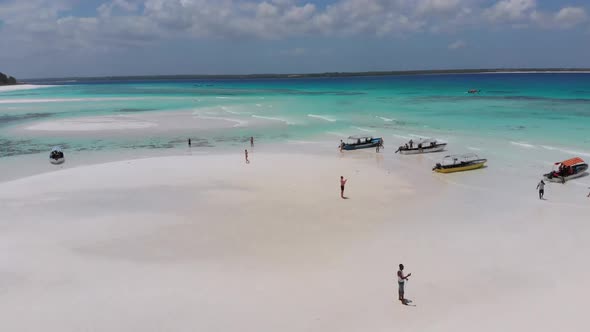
571,162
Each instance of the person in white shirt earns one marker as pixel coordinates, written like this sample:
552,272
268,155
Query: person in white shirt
401,281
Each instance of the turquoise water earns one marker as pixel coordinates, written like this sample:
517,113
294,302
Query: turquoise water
539,109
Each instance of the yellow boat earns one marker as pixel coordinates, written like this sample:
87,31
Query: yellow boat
459,163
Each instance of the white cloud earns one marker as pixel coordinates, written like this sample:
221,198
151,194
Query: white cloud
457,45
41,24
425,7
510,10
266,9
568,17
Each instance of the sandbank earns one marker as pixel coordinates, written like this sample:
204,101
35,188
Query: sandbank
209,243
18,87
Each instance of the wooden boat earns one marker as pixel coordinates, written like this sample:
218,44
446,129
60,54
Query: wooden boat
422,146
459,163
361,142
56,156
567,170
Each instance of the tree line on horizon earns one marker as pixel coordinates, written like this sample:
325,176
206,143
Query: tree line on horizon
319,75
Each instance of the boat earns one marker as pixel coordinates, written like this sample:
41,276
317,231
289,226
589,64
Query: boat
459,163
422,146
567,170
56,156
361,142
473,91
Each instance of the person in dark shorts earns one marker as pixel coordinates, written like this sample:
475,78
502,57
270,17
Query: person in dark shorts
401,282
342,183
541,187
189,142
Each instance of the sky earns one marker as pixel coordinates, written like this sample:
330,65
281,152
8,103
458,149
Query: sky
65,38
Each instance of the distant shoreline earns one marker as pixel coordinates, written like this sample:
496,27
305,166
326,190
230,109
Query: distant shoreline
321,75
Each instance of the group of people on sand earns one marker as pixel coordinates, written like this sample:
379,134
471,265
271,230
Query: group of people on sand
562,172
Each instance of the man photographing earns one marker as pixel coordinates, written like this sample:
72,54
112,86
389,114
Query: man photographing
401,281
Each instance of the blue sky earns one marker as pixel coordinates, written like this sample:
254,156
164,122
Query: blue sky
57,38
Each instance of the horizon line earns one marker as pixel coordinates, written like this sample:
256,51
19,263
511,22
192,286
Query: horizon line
322,74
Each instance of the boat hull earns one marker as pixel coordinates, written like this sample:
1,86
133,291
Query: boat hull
580,171
438,148
460,168
57,161
371,144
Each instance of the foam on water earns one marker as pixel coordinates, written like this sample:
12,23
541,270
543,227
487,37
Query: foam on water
337,134
577,153
550,148
322,117
270,118
385,119
523,145
238,122
363,129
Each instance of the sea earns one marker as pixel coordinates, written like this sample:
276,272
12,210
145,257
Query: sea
514,112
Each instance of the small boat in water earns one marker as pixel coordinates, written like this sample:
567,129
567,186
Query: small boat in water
459,163
361,142
567,170
422,146
473,91
56,156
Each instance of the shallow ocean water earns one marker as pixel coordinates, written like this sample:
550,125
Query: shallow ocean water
513,111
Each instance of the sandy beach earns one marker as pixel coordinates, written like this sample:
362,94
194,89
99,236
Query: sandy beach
19,87
209,243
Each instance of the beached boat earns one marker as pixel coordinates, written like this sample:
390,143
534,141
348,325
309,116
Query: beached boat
567,170
56,156
422,146
361,142
459,163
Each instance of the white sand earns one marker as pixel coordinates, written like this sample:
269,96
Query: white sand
117,122
208,243
175,122
9,88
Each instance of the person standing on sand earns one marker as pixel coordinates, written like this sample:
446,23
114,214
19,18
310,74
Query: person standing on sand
246,154
341,145
342,183
189,142
401,282
541,187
